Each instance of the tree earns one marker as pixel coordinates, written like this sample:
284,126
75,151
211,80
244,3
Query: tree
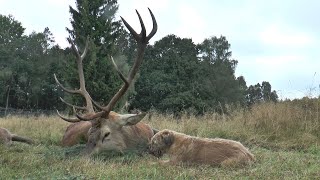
168,80
24,63
260,93
267,93
50,92
219,86
95,19
11,32
31,69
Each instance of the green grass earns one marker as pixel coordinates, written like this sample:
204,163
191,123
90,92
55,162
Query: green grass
51,162
281,152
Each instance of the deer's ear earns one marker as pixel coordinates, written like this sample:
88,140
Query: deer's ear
130,119
167,137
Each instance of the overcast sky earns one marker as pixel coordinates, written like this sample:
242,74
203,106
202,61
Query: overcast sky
275,41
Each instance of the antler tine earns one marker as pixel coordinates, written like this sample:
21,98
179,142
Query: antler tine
97,104
72,120
119,72
88,117
132,31
154,24
142,36
71,105
85,48
65,89
143,28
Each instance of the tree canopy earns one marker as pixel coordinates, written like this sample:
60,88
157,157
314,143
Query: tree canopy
96,19
176,75
24,63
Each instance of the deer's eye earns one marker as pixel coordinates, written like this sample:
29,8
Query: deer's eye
106,135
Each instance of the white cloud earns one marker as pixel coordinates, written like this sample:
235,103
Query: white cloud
191,24
278,35
60,39
279,61
61,3
152,4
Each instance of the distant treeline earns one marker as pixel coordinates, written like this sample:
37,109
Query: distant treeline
4,112
176,74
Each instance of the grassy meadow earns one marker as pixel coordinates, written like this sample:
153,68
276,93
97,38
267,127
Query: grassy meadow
284,137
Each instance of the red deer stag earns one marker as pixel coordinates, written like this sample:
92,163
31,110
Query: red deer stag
108,130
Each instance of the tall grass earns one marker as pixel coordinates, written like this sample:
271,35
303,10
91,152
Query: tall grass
44,129
283,136
281,125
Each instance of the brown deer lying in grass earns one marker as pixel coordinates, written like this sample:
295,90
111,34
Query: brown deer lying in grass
76,133
184,149
108,130
6,138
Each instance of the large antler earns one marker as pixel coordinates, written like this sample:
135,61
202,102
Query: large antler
142,41
82,90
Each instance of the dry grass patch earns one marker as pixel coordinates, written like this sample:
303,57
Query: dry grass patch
275,125
42,129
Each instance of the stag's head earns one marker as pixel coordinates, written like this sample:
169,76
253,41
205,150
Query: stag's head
110,130
113,133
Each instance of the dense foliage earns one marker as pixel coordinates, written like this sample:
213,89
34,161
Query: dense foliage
176,75
27,63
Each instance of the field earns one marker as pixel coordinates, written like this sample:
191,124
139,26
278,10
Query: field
284,137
